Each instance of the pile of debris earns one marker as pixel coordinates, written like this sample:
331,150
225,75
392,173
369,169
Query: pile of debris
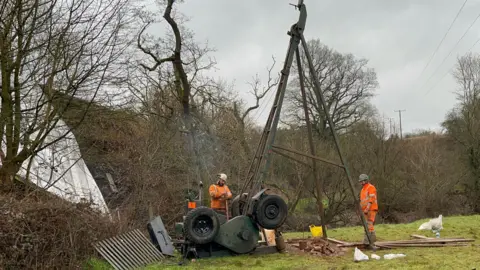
314,246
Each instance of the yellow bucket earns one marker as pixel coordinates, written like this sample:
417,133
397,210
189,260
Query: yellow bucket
316,231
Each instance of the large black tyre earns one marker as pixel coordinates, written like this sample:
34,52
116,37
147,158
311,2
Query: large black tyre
201,225
271,212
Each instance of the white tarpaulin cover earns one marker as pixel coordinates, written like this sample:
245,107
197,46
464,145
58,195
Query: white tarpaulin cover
359,256
60,169
434,224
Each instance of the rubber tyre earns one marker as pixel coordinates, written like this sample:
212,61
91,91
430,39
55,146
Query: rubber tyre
201,225
271,212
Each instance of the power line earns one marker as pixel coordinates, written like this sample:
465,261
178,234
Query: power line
444,36
259,112
430,89
458,42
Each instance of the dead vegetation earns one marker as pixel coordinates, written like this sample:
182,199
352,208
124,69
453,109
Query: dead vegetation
43,232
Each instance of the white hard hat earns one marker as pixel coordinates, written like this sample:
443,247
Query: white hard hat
363,177
222,176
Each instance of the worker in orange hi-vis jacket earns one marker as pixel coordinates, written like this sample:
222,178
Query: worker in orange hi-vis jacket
220,193
368,203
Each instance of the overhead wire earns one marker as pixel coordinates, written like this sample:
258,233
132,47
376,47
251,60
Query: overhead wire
448,55
443,39
450,70
259,112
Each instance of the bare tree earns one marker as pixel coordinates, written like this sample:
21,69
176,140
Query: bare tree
51,52
159,83
345,81
180,83
380,158
185,55
463,122
259,92
427,183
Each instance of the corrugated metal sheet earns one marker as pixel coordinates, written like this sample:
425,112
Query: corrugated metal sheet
130,250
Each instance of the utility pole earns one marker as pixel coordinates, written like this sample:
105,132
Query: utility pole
400,118
391,126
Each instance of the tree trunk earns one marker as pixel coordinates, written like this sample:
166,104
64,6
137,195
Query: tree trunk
475,165
7,174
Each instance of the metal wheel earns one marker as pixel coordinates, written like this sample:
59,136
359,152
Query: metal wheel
201,225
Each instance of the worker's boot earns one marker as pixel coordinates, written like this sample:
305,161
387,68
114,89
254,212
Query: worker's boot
373,237
365,240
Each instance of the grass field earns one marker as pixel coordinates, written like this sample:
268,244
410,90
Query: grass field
417,258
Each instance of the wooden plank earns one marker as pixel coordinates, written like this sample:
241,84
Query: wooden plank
425,245
337,241
356,244
420,236
432,241
382,246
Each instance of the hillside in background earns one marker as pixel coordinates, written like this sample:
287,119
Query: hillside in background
109,141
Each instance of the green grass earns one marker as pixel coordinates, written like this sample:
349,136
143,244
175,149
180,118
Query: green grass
417,258
97,264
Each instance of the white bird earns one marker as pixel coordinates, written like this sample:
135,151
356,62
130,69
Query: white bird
434,224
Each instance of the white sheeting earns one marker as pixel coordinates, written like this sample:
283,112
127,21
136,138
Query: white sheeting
60,169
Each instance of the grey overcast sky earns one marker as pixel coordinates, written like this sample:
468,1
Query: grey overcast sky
398,38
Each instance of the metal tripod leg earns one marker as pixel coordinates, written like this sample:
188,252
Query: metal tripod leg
264,149
260,168
320,97
255,163
310,142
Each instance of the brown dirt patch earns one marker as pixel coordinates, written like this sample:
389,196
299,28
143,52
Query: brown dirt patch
314,246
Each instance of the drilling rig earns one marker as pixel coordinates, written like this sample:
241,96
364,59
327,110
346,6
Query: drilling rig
206,233
254,209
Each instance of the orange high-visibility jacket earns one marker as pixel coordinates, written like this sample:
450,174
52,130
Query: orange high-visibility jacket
368,195
216,192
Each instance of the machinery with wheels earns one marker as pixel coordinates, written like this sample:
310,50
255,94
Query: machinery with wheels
205,232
